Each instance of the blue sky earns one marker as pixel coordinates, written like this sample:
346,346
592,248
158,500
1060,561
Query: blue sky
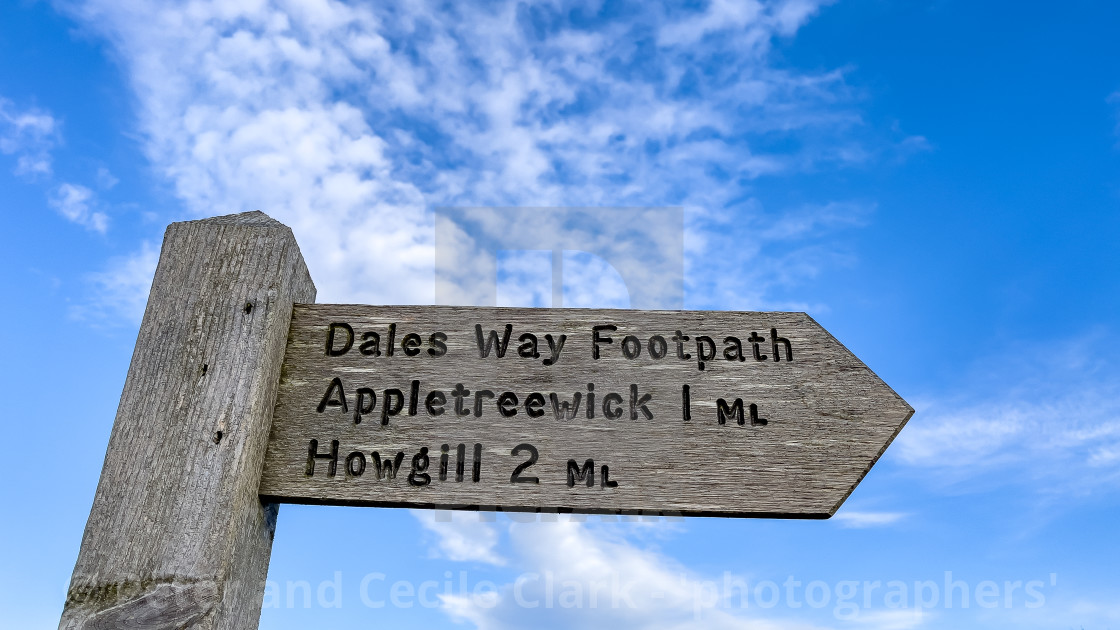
936,182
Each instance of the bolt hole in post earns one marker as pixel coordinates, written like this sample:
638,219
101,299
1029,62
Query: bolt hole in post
248,307
218,437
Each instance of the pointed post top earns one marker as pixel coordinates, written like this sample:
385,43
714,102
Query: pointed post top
253,218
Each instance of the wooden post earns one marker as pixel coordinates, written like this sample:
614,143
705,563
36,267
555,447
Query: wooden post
177,536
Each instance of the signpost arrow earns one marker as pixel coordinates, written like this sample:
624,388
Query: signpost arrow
574,410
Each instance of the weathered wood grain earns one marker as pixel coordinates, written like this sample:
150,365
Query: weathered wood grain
177,536
829,416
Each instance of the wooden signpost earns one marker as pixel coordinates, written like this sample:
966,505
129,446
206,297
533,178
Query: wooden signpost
243,394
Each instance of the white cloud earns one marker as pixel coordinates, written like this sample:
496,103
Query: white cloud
73,202
524,278
1047,418
586,577
772,251
613,257
105,179
349,123
1106,611
862,519
1081,426
789,15
29,135
799,223
751,23
901,619
1091,606
591,282
720,15
121,290
461,537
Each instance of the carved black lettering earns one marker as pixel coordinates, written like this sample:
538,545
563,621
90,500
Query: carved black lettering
476,468
631,347
555,346
314,454
413,397
371,344
565,410
591,401
686,404
679,339
387,469
528,347
533,454
724,413
705,350
533,405
755,420
605,478
610,410
596,338
657,347
434,402
367,398
479,396
391,344
507,404
419,476
443,462
492,341
756,339
332,332
459,393
437,343
460,461
392,402
639,403
355,464
775,340
411,344
586,475
733,349
331,398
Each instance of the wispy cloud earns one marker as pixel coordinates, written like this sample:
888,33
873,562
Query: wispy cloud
772,251
28,134
586,576
74,202
105,179
1106,611
902,619
462,537
604,575
1028,414
120,292
863,519
350,122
